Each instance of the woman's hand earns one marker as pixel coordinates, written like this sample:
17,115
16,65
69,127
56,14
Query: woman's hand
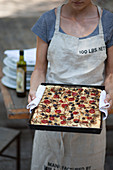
109,100
109,90
31,96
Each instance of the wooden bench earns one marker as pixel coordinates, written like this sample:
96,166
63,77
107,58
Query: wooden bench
8,136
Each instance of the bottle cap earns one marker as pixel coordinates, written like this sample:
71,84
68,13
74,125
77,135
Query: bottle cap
21,52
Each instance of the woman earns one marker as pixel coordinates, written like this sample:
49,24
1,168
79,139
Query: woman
77,41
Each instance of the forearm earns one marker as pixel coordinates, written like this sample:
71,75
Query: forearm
37,78
109,76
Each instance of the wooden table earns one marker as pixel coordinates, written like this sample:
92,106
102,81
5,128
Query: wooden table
15,106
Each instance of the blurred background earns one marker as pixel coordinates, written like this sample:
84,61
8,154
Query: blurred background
16,19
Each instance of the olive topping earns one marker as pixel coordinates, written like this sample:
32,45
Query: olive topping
54,105
50,121
83,118
57,116
93,107
71,114
46,98
70,111
76,121
46,116
92,121
87,111
65,97
49,93
73,108
54,115
69,118
43,106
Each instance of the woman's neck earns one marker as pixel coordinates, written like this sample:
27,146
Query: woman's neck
88,12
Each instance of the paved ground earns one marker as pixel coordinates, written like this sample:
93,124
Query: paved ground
25,8
16,19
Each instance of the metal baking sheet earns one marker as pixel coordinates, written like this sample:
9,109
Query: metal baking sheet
74,129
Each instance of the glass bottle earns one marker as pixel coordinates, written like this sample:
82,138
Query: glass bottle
21,76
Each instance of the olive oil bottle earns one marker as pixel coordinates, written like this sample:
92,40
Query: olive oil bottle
21,76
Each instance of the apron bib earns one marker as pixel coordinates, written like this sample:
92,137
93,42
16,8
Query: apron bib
73,61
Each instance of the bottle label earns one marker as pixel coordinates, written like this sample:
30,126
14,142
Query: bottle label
20,80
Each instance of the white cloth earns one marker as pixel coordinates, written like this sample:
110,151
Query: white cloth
29,55
76,61
36,101
103,107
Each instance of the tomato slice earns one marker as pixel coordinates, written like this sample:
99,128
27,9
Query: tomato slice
47,102
80,89
68,91
81,105
74,94
44,121
84,121
63,122
48,110
60,101
62,117
52,90
71,99
83,98
56,96
93,94
75,113
92,101
76,120
92,111
58,111
64,105
51,118
90,118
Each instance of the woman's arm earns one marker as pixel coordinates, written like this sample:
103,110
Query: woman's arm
39,74
109,76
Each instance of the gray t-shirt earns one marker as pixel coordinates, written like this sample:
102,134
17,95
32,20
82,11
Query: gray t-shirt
45,27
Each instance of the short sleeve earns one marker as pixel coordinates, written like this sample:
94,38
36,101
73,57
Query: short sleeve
107,20
40,28
110,39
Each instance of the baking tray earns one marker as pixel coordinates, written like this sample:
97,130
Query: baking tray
67,128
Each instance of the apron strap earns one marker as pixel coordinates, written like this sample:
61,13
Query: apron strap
57,25
100,22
